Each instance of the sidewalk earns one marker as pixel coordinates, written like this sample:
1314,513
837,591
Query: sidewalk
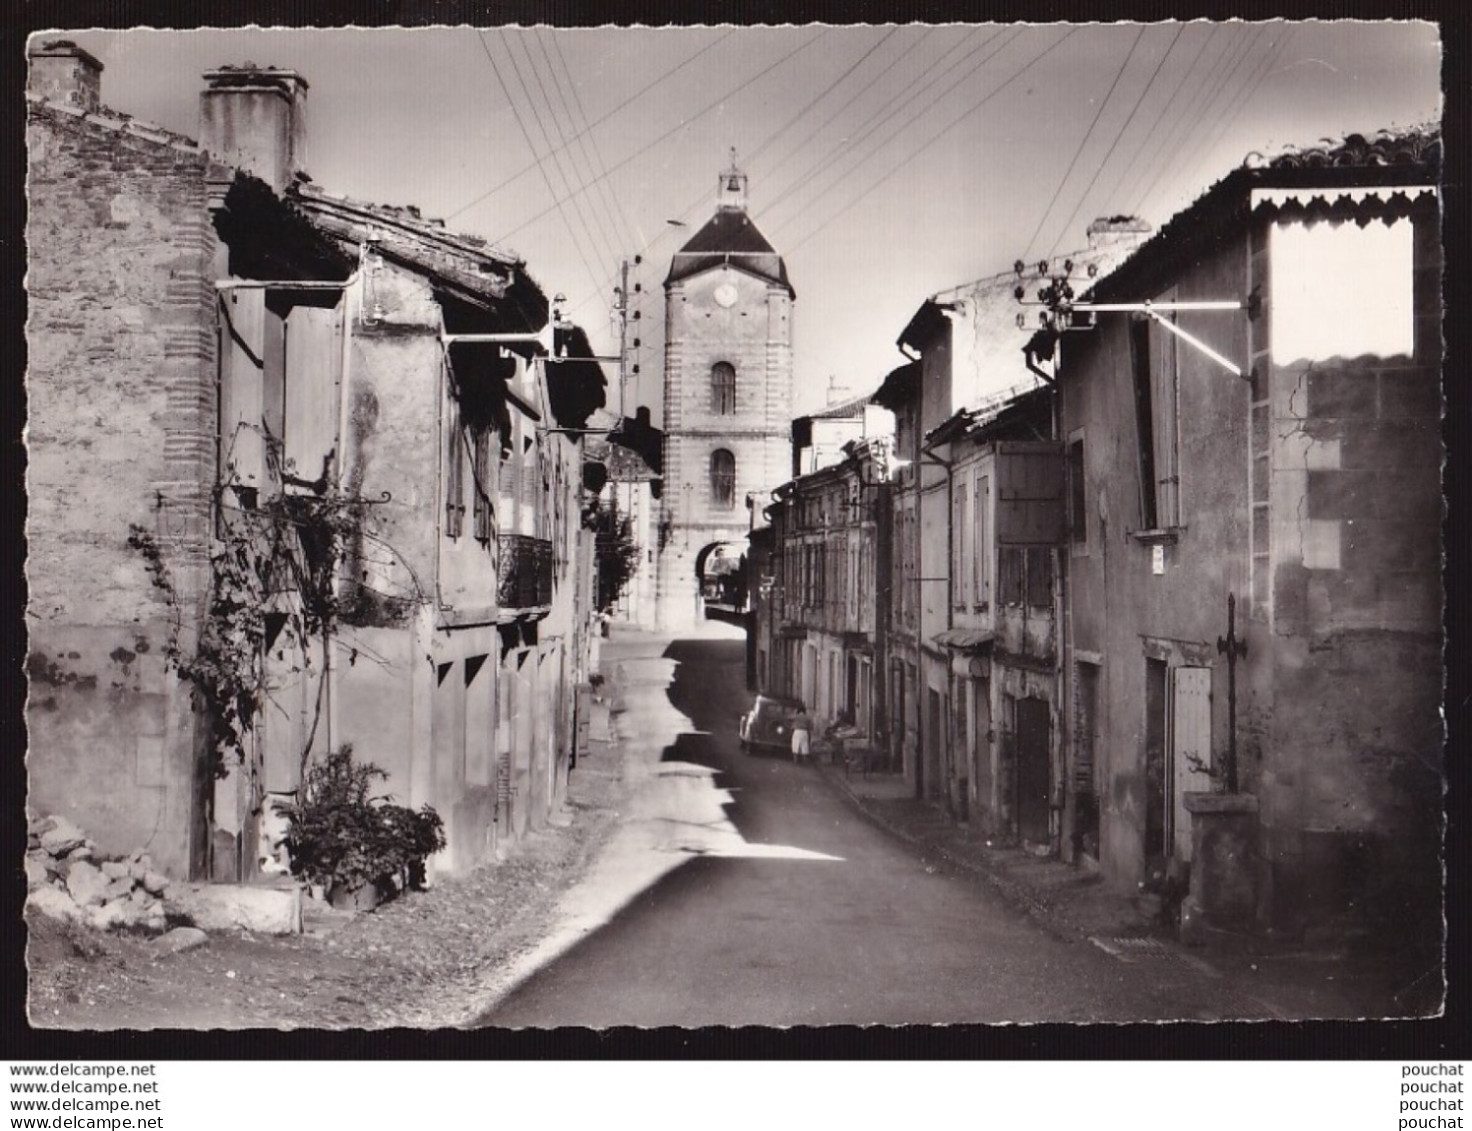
1077,905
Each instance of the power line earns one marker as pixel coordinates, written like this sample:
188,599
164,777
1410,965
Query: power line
526,134
781,161
675,129
689,209
875,122
704,196
1251,87
569,180
587,208
1083,143
1098,169
1189,117
1226,97
1233,60
632,98
610,197
576,211
1154,135
601,222
941,133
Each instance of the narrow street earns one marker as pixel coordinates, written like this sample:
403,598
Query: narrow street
742,890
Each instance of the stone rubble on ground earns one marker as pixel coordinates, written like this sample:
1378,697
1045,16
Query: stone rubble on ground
67,880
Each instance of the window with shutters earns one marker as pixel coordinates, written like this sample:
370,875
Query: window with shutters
723,388
1078,518
481,484
960,571
1154,361
1012,581
722,479
1026,576
455,482
981,574
1039,577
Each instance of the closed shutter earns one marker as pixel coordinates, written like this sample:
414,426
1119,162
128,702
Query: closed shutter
481,482
454,483
1190,749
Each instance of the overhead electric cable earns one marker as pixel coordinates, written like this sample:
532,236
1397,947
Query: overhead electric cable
569,180
533,149
1099,168
702,199
1254,82
1175,160
1190,115
599,223
1152,136
940,134
632,98
610,197
685,214
1221,105
1082,145
855,157
867,129
781,161
680,126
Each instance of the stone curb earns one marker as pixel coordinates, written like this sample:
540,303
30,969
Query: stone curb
1021,898
1014,892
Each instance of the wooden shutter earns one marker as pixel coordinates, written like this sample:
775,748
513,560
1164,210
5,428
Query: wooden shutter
481,484
454,482
980,573
242,405
312,387
1190,749
960,579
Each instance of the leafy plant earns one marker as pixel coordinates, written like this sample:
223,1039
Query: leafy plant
343,836
273,575
615,551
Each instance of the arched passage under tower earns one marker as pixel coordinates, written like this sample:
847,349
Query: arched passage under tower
720,574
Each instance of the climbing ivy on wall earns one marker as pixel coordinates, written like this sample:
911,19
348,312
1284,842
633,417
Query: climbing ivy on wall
272,587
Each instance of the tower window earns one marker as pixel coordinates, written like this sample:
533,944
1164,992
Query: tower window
722,479
723,388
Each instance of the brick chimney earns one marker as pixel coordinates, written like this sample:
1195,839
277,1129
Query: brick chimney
255,118
61,71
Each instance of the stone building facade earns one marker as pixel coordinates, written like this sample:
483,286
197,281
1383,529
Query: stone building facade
1303,494
216,348
121,425
727,394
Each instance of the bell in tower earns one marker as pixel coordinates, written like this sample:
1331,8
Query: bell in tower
732,192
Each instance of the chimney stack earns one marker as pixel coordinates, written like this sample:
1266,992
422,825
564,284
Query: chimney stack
255,118
1108,231
60,71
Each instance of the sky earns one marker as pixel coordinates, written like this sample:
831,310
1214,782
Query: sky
886,163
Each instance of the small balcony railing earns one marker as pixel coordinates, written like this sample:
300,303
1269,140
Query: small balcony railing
524,580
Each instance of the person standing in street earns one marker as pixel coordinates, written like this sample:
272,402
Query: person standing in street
801,732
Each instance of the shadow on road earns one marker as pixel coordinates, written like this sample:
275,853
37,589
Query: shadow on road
707,686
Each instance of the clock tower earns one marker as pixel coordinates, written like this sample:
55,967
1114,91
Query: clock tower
727,397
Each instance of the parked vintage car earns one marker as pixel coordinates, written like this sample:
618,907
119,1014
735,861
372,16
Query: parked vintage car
768,725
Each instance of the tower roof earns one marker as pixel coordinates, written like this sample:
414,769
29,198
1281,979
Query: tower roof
730,237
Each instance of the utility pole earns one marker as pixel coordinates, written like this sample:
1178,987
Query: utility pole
623,335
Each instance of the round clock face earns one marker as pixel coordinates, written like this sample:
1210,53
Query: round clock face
726,295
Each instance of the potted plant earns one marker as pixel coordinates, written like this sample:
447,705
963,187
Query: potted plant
359,848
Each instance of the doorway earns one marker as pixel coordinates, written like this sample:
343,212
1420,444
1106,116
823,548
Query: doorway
1034,776
1155,675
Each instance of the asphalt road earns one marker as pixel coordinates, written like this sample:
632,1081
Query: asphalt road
741,890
